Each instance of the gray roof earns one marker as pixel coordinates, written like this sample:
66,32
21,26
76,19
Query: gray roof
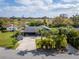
31,29
45,27
34,28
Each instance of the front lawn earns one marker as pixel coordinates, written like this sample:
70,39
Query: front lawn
6,40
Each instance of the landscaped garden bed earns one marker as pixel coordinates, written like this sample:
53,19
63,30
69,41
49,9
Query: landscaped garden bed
58,39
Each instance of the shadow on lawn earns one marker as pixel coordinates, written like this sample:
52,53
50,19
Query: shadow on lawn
39,52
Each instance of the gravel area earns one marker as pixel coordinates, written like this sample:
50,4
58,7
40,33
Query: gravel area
14,54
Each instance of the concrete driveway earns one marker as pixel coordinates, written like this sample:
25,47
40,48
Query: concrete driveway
28,43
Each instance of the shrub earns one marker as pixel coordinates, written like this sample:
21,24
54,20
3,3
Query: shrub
57,42
73,38
45,43
61,41
60,38
72,35
9,46
55,31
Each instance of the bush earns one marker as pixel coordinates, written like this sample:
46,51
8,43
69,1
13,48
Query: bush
61,42
55,31
45,43
57,42
60,38
73,38
9,46
72,35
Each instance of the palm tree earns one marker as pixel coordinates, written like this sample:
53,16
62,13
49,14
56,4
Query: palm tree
42,32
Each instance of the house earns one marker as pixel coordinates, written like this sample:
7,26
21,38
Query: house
11,27
33,30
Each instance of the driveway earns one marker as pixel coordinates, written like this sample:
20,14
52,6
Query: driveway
28,43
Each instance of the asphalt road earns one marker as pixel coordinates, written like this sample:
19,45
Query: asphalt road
13,54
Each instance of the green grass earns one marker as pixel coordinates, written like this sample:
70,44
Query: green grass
6,40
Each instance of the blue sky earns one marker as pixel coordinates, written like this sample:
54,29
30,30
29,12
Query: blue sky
37,8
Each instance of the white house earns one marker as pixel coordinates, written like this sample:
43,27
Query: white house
11,27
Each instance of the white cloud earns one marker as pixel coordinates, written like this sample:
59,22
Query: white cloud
30,2
46,5
64,5
26,2
39,8
70,0
42,4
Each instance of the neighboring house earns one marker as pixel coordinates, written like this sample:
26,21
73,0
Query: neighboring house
11,27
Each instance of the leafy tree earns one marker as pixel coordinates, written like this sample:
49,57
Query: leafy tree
45,22
35,23
75,19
